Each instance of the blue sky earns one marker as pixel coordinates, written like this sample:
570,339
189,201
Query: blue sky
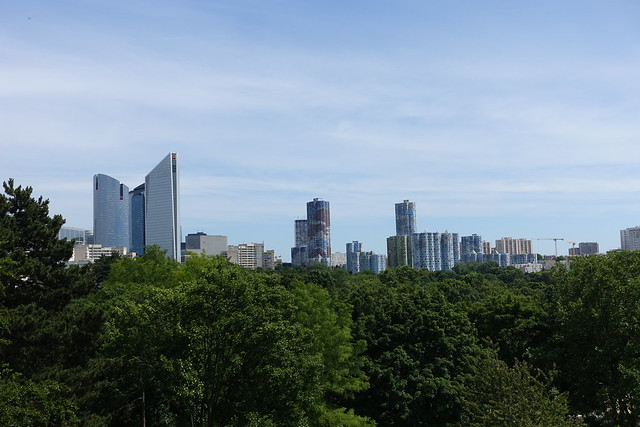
499,118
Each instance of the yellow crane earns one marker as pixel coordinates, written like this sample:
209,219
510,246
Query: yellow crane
573,246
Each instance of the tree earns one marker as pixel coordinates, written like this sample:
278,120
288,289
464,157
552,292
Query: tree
417,347
24,402
497,395
245,355
598,338
28,240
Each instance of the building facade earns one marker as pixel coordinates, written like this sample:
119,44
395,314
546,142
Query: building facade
353,256
372,262
162,221
588,248
470,244
110,211
508,245
399,251
136,220
405,218
319,231
200,243
630,239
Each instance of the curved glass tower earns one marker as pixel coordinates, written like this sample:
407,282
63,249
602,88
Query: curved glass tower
110,211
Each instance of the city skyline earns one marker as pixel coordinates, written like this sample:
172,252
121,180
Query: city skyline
497,119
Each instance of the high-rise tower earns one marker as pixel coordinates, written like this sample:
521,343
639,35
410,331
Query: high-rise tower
353,256
319,232
405,218
162,222
136,220
110,211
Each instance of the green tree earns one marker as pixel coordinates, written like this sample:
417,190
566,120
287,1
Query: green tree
28,240
417,347
497,395
28,403
329,323
598,342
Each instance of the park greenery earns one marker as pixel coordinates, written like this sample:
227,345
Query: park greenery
148,341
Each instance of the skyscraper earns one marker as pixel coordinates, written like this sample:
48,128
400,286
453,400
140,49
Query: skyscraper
353,256
313,235
162,222
110,211
449,250
136,220
301,232
405,218
319,232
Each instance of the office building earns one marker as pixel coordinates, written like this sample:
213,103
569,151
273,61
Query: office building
630,239
202,243
110,211
162,222
137,220
78,235
405,218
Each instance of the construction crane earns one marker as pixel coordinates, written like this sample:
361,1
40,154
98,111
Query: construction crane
555,241
573,246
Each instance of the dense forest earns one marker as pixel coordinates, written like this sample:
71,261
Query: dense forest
147,341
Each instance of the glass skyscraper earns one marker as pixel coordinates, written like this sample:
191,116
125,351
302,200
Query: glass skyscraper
136,220
162,222
110,211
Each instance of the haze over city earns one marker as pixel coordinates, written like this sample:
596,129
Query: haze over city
495,118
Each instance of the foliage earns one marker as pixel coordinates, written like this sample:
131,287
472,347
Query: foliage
497,395
26,403
150,341
33,255
417,345
598,337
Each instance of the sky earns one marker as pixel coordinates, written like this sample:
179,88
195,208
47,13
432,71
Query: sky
504,119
